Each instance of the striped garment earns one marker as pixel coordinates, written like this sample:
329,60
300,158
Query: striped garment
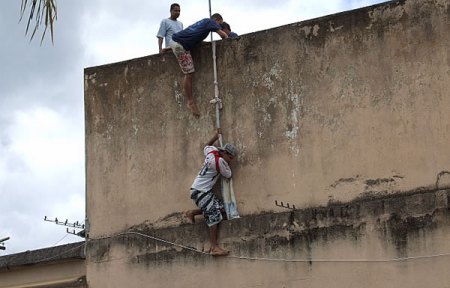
210,205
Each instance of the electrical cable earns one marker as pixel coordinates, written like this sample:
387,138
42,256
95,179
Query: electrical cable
60,240
150,237
402,259
279,259
62,253
48,258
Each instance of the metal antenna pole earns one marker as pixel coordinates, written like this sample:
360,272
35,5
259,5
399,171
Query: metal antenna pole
210,8
216,99
210,14
227,185
216,93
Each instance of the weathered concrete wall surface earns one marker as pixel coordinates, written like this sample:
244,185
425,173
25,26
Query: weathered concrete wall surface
52,276
61,266
392,241
327,109
330,110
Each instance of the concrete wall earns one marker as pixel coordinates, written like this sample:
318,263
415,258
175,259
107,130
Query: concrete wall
392,241
57,275
55,267
345,107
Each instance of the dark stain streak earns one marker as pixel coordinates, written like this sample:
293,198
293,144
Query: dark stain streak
344,180
376,182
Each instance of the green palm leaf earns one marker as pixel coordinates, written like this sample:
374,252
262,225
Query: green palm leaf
42,12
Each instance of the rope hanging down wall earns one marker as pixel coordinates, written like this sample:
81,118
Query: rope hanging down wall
228,196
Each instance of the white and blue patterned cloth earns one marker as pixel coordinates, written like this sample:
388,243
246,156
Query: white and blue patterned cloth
210,205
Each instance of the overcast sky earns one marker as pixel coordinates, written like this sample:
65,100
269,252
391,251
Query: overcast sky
41,97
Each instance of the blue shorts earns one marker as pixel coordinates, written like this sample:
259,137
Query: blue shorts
210,205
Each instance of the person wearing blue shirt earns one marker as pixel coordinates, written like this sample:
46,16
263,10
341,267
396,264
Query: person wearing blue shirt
181,44
227,29
168,27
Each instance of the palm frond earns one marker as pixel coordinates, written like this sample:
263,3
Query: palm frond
41,12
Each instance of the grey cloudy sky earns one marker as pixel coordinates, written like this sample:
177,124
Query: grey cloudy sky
41,95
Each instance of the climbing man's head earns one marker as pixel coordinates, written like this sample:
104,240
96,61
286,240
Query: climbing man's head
217,17
228,152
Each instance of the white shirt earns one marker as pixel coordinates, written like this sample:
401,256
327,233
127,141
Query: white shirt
208,175
167,28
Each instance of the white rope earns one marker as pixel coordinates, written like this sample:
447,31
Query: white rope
216,99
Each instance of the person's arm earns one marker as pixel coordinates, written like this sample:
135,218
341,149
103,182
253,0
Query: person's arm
214,138
160,41
162,32
222,34
225,168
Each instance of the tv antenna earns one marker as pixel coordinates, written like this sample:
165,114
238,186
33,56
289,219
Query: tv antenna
287,206
75,225
2,244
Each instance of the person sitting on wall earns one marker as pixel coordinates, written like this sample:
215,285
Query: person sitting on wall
168,27
217,162
227,29
181,44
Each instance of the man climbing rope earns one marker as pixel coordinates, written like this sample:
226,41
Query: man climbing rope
181,44
217,162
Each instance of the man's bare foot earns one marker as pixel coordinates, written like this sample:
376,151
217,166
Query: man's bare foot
190,216
217,251
194,109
